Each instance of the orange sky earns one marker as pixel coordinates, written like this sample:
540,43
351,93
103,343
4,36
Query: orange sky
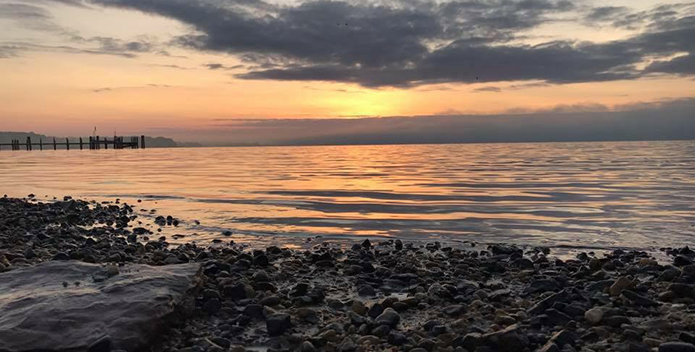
50,90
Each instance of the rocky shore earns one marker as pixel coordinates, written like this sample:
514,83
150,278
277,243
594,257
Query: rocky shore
373,296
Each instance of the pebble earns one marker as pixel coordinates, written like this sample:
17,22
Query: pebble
594,315
278,323
619,285
454,310
676,347
359,307
307,347
389,317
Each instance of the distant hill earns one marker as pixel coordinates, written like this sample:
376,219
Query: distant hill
150,142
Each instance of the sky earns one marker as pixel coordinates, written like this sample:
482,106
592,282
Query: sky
252,71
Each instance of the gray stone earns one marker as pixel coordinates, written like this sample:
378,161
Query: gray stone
594,315
676,347
563,337
686,337
682,290
389,317
541,306
307,347
124,311
347,345
639,299
261,276
278,323
619,285
509,339
454,310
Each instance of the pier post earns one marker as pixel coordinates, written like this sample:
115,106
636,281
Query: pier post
41,144
55,146
80,143
67,143
142,139
28,143
98,145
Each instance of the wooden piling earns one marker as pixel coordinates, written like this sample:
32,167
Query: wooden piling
118,142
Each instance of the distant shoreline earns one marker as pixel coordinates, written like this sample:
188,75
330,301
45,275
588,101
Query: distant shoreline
446,143
164,142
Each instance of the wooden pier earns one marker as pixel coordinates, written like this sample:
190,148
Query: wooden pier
92,143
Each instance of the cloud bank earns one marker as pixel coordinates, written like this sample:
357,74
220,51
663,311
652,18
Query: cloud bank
411,43
674,119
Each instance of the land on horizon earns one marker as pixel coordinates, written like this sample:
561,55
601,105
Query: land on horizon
665,120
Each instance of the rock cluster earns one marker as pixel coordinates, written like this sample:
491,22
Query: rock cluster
390,295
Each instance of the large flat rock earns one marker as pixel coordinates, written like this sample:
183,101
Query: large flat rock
124,311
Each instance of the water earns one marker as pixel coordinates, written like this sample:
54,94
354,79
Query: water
563,195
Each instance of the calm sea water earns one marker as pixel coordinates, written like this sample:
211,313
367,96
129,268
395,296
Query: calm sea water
562,195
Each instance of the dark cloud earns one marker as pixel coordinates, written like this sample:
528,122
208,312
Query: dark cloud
76,3
529,85
218,66
606,13
177,67
458,62
29,17
92,46
410,43
488,89
684,65
18,47
7,52
23,11
114,45
37,18
624,17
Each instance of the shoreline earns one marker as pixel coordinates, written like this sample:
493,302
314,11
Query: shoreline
376,296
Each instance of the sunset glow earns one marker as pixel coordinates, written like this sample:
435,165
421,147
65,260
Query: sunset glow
67,66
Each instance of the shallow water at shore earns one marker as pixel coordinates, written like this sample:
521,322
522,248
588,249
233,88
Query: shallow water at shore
563,195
